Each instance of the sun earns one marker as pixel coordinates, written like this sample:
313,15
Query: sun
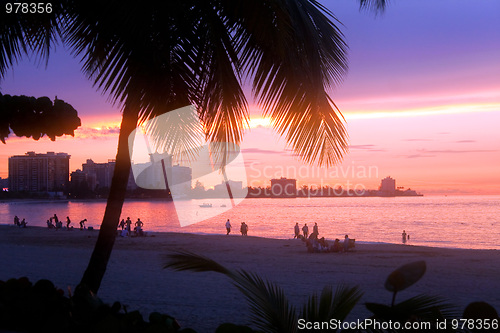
256,122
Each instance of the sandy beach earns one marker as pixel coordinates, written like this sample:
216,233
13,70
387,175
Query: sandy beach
135,276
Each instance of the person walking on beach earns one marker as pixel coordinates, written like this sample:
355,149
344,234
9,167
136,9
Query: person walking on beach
305,230
16,220
297,230
228,227
403,236
68,222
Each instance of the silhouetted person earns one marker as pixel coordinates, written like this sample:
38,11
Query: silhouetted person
68,222
122,224
297,230
138,227
336,246
346,243
128,223
16,220
315,229
244,229
82,224
23,224
228,227
305,230
403,236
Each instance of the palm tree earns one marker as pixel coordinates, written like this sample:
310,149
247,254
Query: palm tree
151,59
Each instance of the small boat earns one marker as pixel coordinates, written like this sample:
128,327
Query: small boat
223,205
206,205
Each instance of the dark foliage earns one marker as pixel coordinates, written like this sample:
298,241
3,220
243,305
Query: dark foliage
36,117
42,307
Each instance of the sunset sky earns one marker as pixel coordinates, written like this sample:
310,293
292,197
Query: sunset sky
421,102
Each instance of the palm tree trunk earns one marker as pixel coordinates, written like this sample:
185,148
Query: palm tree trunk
102,251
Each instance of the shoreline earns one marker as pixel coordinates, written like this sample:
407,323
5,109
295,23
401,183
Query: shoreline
148,232
202,301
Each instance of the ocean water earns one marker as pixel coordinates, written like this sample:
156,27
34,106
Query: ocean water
446,221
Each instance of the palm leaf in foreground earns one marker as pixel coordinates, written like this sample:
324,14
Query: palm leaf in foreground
271,311
331,306
421,308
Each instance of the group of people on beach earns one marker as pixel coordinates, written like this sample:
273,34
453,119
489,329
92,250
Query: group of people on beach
20,224
54,223
316,244
126,228
243,228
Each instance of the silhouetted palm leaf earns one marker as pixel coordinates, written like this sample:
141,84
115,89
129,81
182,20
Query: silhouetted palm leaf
428,307
374,5
271,311
27,34
197,52
331,306
421,308
405,276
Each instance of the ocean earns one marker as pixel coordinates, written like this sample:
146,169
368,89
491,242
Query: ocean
443,221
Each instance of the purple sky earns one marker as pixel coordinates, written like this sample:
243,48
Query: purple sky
421,99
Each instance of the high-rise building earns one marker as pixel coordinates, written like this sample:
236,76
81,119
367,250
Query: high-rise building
387,187
99,175
284,187
34,172
102,172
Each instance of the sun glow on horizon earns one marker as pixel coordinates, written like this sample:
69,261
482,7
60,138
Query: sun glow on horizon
256,122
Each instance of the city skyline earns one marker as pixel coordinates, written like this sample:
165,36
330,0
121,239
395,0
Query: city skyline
418,104
49,173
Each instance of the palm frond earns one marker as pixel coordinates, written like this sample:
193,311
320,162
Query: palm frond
222,103
422,308
177,133
331,306
27,34
188,261
271,311
196,52
428,307
295,55
377,6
